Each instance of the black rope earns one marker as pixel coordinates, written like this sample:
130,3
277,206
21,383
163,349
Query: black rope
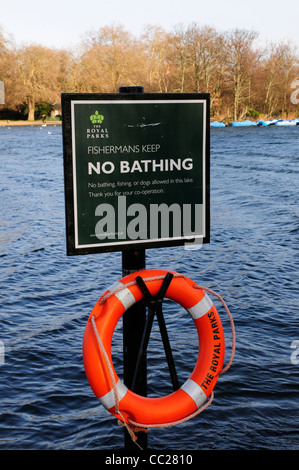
154,304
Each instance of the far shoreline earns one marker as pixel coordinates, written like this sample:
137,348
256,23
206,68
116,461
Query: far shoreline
20,122
8,123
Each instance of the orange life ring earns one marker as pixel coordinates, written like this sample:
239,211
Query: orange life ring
195,391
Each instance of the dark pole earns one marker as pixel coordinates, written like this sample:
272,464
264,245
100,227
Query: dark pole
134,320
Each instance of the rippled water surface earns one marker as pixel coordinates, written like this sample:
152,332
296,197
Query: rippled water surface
46,298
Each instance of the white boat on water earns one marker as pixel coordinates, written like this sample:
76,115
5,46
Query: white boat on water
279,122
247,123
286,122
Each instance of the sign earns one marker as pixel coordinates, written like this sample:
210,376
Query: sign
136,170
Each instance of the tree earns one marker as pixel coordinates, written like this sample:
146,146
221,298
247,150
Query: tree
7,65
68,71
179,54
111,58
241,61
276,76
157,67
203,54
36,76
206,61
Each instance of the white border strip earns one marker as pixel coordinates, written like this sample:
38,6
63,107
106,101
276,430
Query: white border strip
149,240
108,400
194,391
201,308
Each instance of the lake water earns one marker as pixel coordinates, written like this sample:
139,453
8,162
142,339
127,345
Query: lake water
46,297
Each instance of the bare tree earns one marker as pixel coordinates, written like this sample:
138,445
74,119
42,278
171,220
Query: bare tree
203,55
157,67
179,55
35,76
277,73
111,58
7,66
240,60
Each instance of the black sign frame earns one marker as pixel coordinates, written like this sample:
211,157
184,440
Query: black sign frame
68,99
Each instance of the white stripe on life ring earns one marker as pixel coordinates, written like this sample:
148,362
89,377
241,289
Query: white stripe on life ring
194,391
201,308
108,400
124,295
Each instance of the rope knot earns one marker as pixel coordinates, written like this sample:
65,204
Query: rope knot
131,428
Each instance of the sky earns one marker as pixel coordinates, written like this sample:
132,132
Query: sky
64,23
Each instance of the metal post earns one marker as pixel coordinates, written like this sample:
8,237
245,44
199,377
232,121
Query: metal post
134,320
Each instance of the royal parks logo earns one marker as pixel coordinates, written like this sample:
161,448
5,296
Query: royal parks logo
96,129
